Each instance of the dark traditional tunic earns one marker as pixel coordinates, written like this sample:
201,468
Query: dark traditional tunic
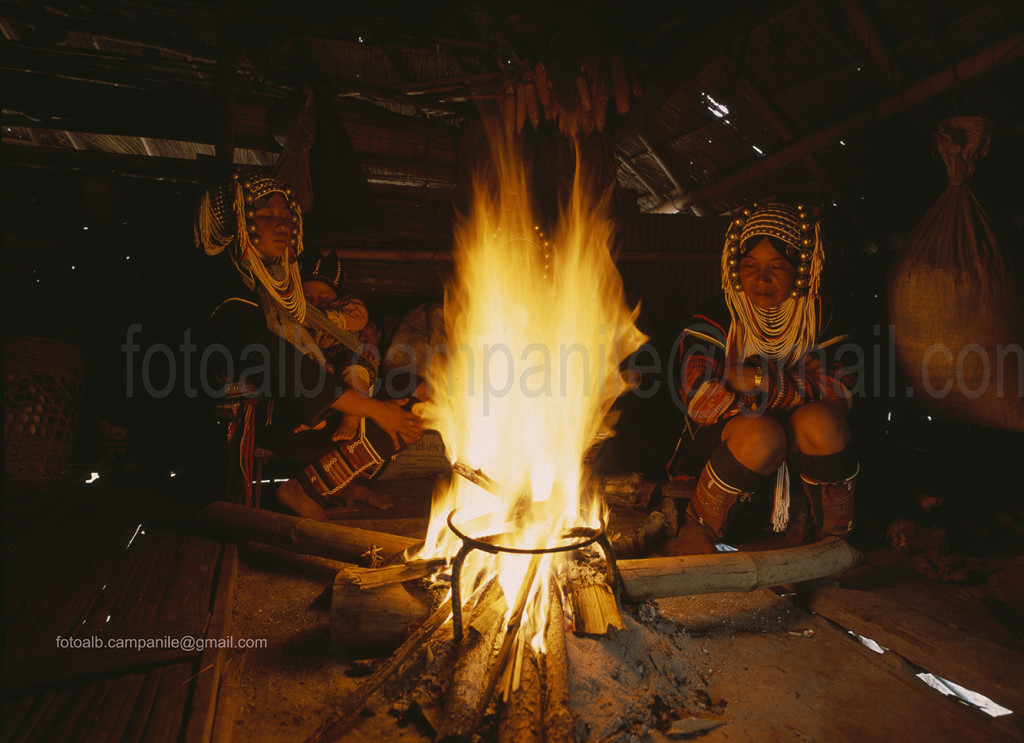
288,389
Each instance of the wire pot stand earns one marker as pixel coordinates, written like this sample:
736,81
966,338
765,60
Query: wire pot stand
573,539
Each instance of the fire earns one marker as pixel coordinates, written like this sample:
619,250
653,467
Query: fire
537,328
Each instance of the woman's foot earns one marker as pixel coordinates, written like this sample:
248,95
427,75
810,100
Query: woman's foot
348,429
693,540
362,494
291,495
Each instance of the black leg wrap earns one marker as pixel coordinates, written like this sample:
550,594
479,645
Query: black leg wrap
829,467
831,504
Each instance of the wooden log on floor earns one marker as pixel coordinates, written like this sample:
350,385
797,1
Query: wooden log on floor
307,536
662,577
557,717
379,615
648,534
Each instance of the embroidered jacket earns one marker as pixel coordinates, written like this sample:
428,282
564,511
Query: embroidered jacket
819,376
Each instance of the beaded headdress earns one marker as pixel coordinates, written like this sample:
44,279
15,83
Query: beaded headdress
785,332
798,231
225,220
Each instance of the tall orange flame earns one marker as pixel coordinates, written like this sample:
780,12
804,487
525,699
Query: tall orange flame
536,331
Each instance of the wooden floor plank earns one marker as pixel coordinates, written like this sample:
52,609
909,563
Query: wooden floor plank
952,653
13,713
143,708
108,722
203,708
166,720
889,574
77,711
190,590
786,675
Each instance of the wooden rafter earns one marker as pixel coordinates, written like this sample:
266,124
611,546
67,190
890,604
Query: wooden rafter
969,67
777,121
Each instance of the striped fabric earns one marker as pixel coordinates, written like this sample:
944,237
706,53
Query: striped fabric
333,472
708,399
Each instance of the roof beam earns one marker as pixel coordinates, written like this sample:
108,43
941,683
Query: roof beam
967,68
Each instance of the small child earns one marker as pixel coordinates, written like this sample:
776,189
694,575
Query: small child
322,279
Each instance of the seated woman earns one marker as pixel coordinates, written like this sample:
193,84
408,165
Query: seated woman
762,386
264,342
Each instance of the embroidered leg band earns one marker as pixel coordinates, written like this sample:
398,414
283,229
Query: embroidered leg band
334,471
830,483
722,483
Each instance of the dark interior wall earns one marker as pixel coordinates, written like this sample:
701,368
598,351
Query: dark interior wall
109,263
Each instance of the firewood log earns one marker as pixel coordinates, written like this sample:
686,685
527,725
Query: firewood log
583,88
350,706
543,86
381,615
530,96
521,719
662,577
558,720
466,692
598,95
521,89
620,84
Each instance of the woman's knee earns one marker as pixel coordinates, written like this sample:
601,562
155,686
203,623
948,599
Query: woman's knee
819,428
758,443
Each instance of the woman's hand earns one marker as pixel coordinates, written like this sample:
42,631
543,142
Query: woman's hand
395,420
744,378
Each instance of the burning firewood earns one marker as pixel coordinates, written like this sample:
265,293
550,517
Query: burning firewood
521,719
468,693
558,721
595,608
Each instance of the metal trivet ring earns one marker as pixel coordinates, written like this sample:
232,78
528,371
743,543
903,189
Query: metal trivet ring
584,536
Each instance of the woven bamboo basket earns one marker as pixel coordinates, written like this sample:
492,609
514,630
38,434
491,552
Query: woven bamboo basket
43,383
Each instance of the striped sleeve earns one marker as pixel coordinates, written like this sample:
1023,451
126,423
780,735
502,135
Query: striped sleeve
702,388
